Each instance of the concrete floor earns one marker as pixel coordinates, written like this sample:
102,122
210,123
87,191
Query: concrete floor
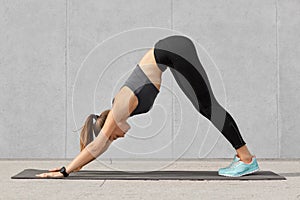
164,189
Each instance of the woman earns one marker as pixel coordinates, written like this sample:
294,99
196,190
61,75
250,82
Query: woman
137,96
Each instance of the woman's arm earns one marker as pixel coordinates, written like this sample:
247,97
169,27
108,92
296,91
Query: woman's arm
101,142
83,158
111,130
115,126
90,152
94,149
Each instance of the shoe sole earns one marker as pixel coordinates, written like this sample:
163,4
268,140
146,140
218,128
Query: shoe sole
240,175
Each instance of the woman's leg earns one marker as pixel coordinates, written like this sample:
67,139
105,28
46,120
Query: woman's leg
179,54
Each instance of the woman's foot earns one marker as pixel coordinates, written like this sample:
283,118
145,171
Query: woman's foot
239,168
244,154
247,159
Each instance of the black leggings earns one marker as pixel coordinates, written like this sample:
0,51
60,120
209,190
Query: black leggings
179,54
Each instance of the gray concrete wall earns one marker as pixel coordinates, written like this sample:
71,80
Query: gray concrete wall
62,60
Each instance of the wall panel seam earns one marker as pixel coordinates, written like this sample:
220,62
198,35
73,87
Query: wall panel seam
278,86
66,73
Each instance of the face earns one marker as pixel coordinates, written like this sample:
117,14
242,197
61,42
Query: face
120,130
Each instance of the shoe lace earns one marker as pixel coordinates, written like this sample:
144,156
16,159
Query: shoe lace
234,164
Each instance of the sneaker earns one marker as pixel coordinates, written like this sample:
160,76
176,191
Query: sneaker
239,168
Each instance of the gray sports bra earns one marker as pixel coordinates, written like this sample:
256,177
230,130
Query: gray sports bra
143,88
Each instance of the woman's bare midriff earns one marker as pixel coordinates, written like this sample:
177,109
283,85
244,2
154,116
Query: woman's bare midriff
150,68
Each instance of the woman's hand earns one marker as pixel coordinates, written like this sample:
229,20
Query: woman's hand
52,173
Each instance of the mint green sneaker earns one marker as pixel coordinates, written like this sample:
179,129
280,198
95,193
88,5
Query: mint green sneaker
239,168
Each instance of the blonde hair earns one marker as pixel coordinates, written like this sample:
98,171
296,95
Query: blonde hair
86,134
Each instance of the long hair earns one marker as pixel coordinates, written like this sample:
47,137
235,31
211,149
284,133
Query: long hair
86,134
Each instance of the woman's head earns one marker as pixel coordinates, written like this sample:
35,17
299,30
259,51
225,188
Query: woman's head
86,135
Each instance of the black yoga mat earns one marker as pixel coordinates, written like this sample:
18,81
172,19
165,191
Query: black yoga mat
154,175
